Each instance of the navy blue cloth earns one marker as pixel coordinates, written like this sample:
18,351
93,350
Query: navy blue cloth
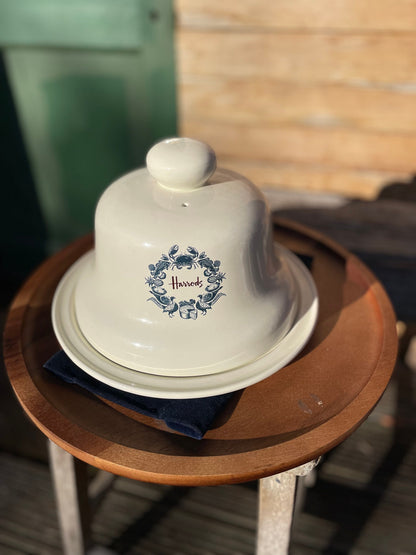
191,417
306,259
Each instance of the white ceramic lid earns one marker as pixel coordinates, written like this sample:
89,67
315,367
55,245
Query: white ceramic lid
184,280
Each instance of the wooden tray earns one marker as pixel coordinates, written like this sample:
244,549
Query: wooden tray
292,417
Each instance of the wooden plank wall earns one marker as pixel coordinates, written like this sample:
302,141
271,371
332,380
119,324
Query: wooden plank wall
305,94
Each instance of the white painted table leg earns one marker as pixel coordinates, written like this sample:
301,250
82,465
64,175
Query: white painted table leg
276,501
70,482
276,506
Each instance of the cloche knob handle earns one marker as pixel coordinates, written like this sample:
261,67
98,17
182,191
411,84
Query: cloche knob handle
181,164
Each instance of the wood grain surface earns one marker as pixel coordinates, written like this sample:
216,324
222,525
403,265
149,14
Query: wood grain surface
298,57
271,102
309,179
286,420
391,153
303,83
347,15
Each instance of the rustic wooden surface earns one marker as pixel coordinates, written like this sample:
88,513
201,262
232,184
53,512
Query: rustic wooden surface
307,95
359,15
247,443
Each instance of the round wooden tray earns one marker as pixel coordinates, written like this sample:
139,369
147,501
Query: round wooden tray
292,417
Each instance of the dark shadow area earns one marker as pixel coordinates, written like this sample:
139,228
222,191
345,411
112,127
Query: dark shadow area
382,233
22,248
352,509
22,229
399,190
143,526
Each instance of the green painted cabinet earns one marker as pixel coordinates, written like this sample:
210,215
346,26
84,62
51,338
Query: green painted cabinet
93,86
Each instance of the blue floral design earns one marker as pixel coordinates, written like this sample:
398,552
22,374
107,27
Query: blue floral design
188,310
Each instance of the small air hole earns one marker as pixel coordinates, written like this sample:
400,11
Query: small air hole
185,204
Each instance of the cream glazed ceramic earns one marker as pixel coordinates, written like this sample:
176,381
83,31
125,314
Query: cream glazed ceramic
184,279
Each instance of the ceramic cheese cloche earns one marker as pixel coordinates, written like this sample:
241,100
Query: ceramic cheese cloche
185,279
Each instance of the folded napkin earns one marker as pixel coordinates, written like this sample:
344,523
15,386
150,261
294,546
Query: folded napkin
191,417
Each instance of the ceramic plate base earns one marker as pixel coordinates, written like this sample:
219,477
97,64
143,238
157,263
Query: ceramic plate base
103,369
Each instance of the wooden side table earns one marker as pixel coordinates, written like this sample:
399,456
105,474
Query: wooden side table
270,428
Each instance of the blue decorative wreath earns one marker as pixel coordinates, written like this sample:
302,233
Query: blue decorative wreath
191,259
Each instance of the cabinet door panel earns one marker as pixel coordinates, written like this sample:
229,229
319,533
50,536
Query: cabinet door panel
88,115
103,24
